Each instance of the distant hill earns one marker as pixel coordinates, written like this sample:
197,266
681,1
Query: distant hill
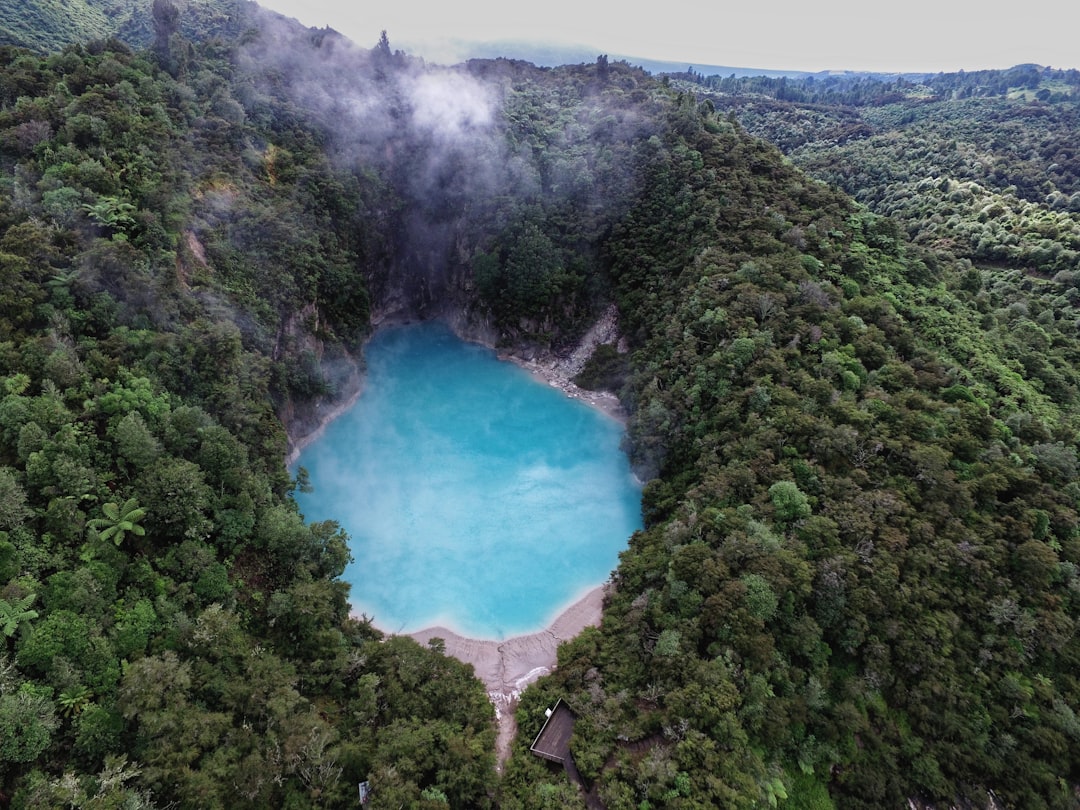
45,25
852,382
548,55
979,165
49,25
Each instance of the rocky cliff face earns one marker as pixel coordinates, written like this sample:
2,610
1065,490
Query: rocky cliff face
341,372
432,281
425,285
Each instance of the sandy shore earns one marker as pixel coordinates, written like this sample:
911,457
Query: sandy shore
554,376
507,667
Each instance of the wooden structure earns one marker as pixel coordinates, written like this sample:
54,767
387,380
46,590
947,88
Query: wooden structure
553,744
553,741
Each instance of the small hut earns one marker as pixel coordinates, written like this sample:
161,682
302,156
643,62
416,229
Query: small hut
553,741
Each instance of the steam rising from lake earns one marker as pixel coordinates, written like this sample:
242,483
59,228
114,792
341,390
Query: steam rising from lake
475,497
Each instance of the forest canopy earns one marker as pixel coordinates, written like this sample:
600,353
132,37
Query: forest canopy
850,373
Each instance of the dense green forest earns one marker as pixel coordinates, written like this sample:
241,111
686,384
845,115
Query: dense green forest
46,26
981,166
852,389
173,630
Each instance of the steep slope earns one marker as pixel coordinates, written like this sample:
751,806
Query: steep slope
858,576
50,25
174,633
858,582
46,26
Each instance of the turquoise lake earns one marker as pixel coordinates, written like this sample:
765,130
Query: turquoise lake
475,497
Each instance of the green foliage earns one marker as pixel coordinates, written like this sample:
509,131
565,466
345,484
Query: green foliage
26,726
46,27
119,520
858,579
13,510
918,153
74,700
807,793
159,589
605,370
761,601
13,614
789,503
860,402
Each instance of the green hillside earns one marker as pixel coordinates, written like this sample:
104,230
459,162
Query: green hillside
859,578
980,166
49,25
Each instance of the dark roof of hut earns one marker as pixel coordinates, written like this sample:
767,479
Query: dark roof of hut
553,741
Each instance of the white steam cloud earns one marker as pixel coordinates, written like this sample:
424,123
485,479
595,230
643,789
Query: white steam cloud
451,106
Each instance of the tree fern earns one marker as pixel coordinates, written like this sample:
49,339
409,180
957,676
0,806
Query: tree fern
14,614
119,520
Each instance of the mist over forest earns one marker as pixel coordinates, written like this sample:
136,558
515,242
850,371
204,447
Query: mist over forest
848,347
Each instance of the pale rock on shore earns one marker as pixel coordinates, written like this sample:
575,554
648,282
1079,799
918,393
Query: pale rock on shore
559,372
507,667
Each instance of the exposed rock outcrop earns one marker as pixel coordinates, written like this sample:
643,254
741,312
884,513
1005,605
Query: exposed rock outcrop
341,372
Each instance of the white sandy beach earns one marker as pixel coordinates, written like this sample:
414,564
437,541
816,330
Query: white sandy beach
506,667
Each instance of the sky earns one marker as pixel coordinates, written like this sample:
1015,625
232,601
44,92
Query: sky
913,36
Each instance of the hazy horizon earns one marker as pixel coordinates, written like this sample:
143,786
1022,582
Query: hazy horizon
838,35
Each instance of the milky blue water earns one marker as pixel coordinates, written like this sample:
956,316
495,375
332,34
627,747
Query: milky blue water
476,497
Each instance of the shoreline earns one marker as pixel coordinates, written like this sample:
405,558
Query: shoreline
507,667
548,372
559,372
583,612
554,371
338,408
